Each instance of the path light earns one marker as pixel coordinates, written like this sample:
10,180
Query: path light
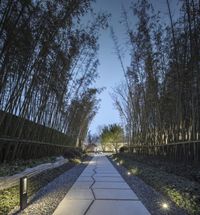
165,206
128,173
23,192
118,164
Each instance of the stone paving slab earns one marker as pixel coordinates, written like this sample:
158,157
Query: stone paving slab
72,207
107,175
114,207
111,185
85,178
84,194
105,168
109,179
87,174
117,194
89,169
82,185
106,171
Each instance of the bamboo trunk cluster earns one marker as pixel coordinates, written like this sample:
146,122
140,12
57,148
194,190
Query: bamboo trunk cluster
160,104
48,63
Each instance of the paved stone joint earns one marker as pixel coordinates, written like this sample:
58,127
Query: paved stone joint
100,190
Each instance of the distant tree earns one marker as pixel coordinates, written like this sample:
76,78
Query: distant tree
116,135
104,138
111,137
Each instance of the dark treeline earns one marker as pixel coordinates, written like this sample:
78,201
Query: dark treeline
48,63
160,101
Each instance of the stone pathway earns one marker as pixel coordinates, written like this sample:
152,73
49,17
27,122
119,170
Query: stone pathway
100,190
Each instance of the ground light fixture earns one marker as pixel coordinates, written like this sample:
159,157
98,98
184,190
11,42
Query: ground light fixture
23,192
128,173
118,164
165,206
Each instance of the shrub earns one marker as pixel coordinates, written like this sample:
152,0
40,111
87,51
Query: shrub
78,153
73,153
123,149
75,161
69,154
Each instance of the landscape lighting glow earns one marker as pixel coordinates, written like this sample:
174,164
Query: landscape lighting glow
128,173
165,206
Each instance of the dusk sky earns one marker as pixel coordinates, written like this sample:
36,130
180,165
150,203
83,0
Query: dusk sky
109,69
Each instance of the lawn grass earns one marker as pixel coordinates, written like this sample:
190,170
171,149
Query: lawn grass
9,198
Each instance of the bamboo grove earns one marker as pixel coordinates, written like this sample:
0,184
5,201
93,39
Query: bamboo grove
48,64
160,100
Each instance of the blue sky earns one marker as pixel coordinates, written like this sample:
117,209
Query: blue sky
110,70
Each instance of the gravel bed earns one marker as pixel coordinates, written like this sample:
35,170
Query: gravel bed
149,196
46,200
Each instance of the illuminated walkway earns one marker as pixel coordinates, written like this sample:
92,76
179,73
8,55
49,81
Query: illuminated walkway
100,190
